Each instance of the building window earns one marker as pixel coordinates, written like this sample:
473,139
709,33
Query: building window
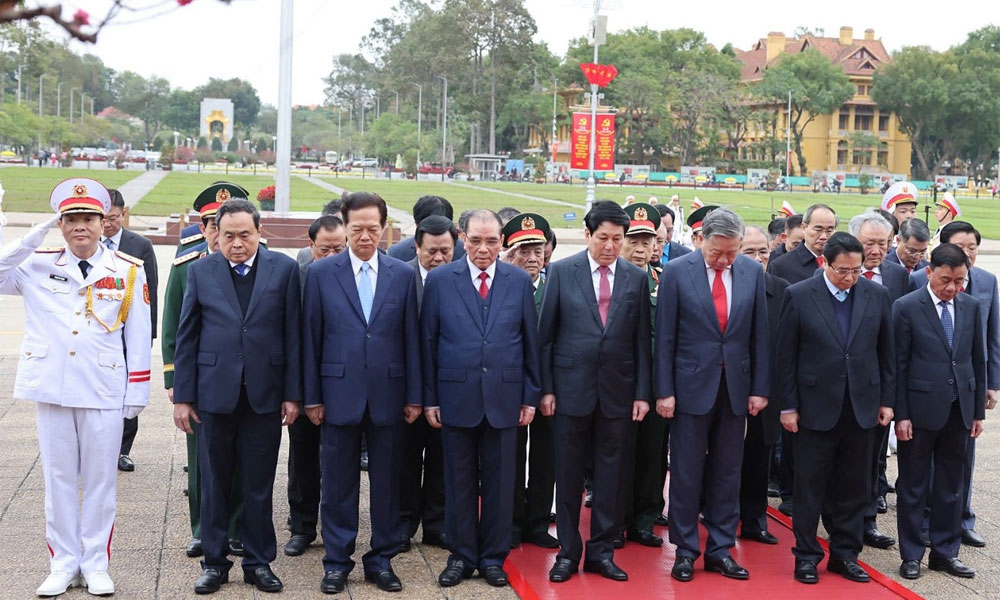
863,117
845,119
861,90
842,152
883,122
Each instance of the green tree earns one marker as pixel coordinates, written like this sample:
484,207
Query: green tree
818,87
142,98
181,111
246,103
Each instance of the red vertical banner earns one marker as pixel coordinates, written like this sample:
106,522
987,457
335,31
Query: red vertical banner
604,155
579,148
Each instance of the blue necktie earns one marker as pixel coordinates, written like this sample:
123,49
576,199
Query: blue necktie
841,295
365,290
947,324
110,243
241,269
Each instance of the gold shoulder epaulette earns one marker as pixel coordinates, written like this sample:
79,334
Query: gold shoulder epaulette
192,238
180,260
129,258
50,249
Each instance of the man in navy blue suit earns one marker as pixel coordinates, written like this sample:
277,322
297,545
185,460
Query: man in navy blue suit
237,373
362,376
941,404
481,381
712,369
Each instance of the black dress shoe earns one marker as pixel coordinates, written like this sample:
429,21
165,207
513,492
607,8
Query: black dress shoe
849,569
683,569
910,569
925,538
194,549
405,544
787,507
605,568
264,578
877,539
661,520
881,505
805,571
125,464
297,544
364,460
385,580
210,580
773,490
727,567
952,566
494,575
454,573
543,539
890,489
185,468
971,538
646,538
619,541
236,547
562,570
432,538
333,582
764,537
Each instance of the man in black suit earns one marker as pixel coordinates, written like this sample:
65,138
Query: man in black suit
838,381
425,206
792,235
874,232
596,358
116,237
762,428
911,245
818,223
237,373
327,237
940,407
422,486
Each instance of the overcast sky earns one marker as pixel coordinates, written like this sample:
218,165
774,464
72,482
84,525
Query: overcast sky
187,45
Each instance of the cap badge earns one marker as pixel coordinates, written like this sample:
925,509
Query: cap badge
222,195
640,214
527,223
79,191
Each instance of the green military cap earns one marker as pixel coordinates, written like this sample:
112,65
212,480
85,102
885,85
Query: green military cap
645,219
209,200
525,228
695,218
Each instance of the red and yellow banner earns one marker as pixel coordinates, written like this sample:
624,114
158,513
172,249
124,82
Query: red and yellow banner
604,156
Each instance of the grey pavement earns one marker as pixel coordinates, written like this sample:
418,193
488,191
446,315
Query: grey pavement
135,189
401,217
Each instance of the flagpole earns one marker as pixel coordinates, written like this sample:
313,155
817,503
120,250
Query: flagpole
591,181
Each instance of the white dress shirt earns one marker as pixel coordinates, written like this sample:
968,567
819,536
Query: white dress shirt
248,263
423,272
937,305
92,260
595,275
834,290
116,238
727,282
475,271
372,269
878,273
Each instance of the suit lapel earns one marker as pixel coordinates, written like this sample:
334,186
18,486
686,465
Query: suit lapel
930,311
861,299
264,270
382,284
345,276
699,281
463,286
585,279
742,285
226,284
623,280
821,298
501,277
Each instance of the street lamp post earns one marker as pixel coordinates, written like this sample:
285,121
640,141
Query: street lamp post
59,98
91,106
444,124
397,100
591,180
81,107
788,140
420,102
71,101
19,68
40,95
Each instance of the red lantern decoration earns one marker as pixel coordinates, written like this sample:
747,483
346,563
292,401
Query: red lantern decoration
599,75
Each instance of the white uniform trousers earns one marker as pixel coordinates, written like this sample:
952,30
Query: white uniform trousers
79,445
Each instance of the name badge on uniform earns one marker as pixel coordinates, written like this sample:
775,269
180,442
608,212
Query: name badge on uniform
57,277
57,284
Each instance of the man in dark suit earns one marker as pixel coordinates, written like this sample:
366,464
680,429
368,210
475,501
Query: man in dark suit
525,249
874,232
422,487
940,407
710,312
792,236
305,255
237,374
911,245
838,381
669,249
762,428
115,237
982,285
481,381
327,237
362,375
818,224
596,372
425,206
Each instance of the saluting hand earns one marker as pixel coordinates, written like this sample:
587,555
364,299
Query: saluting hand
665,407
756,404
527,414
548,404
433,416
411,413
289,412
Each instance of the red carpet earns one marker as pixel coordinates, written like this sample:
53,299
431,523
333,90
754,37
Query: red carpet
649,574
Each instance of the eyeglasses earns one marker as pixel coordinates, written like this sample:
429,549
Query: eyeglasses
844,271
327,250
756,252
488,242
914,251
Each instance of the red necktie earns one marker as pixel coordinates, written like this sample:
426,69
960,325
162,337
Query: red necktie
483,290
869,275
604,300
819,261
909,269
719,298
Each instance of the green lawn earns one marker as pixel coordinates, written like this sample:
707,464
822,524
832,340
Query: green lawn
28,189
178,190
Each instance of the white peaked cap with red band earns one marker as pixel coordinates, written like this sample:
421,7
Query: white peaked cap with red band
80,195
901,192
948,201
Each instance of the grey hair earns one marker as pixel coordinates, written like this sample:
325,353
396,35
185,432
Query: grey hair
724,223
807,218
870,216
916,230
759,229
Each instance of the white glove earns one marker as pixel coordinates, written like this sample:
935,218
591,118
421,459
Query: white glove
131,412
35,237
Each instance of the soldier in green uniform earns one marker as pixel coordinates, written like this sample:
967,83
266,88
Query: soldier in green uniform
645,497
525,239
207,203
